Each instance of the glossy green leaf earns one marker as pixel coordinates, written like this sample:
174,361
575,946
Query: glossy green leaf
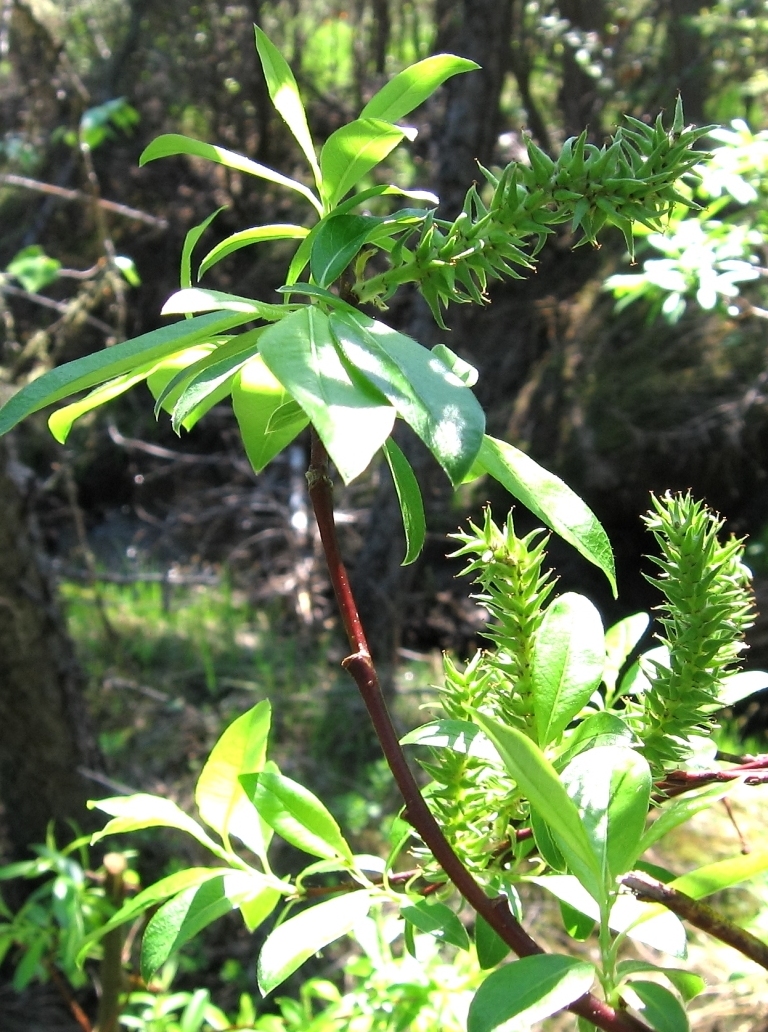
548,498
567,664
181,918
611,787
688,984
171,144
660,1008
721,875
247,237
299,938
438,920
458,366
210,380
538,781
257,397
426,394
134,812
414,85
200,299
352,419
104,365
190,242
150,897
491,948
284,94
576,924
741,685
526,991
548,849
351,152
601,728
220,798
460,735
299,817
167,378
60,422
409,497
333,301
620,640
257,908
337,241
679,810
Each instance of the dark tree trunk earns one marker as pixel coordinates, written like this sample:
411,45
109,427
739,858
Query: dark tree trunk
44,733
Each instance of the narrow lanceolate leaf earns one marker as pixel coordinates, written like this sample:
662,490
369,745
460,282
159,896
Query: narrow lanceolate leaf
611,787
150,897
284,94
491,948
171,144
210,380
620,640
246,237
567,665
721,875
548,498
688,984
741,685
190,242
537,780
104,365
527,991
60,422
181,918
258,398
132,813
220,798
677,811
441,409
409,497
199,299
439,920
414,85
295,941
351,152
352,419
167,379
659,1007
299,817
337,240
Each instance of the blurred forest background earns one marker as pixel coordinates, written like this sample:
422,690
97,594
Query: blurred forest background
192,588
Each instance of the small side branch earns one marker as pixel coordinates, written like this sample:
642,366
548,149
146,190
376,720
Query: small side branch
698,914
360,666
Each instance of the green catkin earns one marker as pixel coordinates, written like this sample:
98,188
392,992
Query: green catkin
708,607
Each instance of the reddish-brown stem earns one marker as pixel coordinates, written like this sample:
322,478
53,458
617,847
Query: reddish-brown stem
360,665
700,915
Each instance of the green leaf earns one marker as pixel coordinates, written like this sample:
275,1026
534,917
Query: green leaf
409,497
576,924
167,379
738,686
462,736
220,798
134,812
284,94
687,983
190,242
538,780
721,875
601,728
33,268
661,1008
257,908
548,498
337,240
352,151
246,237
171,144
104,365
620,640
181,918
299,817
465,372
491,948
545,843
438,920
567,663
677,811
150,897
258,398
352,419
295,941
414,85
522,993
60,422
426,394
611,787
210,380
200,299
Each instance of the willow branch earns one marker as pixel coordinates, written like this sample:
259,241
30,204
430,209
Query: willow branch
698,914
360,666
